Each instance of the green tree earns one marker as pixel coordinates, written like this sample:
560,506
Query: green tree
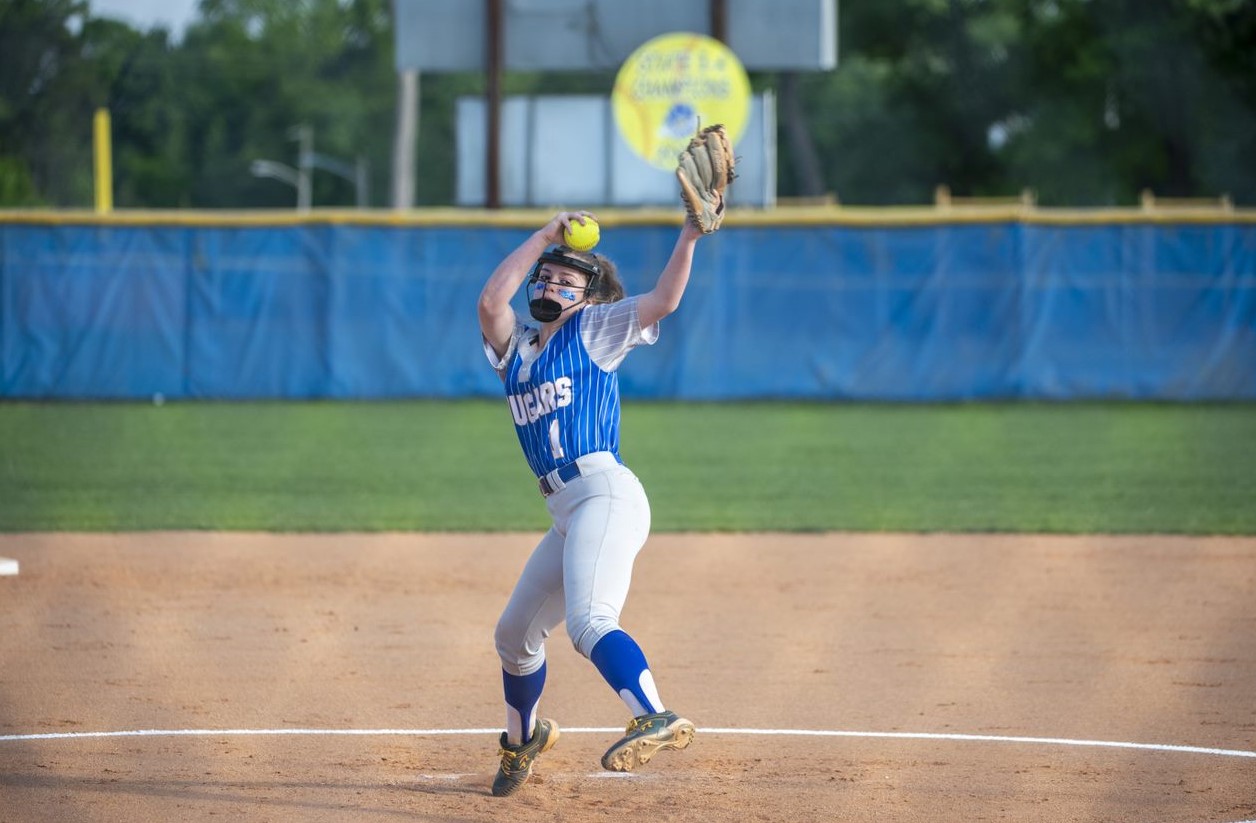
45,106
920,85
139,83
1086,101
1226,33
61,65
1129,95
255,69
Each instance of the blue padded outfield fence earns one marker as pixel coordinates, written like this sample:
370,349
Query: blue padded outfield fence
827,304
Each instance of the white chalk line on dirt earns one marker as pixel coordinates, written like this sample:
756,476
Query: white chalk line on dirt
974,738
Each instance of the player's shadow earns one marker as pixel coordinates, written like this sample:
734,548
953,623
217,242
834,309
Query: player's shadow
447,787
369,798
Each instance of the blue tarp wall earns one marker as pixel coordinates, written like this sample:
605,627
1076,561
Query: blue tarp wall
917,312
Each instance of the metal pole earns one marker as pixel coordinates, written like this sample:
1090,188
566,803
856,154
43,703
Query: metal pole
719,20
304,135
493,100
403,179
104,162
361,182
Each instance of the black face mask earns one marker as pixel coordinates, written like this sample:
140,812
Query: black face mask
545,310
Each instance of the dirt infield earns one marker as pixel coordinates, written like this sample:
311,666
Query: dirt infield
947,678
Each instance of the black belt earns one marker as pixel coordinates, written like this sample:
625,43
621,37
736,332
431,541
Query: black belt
565,473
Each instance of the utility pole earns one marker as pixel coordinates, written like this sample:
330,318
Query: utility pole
304,135
719,20
403,178
493,52
307,160
362,182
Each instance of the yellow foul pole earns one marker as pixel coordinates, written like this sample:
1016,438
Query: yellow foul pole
104,162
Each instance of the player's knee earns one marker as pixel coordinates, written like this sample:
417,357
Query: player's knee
586,630
520,652
509,641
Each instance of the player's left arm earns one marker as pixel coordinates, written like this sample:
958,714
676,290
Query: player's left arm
664,298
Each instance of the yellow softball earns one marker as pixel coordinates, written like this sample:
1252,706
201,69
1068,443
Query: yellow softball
582,236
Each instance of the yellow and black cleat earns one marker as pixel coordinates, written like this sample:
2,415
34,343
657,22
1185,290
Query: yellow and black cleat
645,736
517,761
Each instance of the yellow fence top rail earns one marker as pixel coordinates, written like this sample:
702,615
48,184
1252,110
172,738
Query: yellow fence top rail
784,216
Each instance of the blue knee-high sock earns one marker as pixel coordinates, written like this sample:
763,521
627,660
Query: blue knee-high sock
523,693
622,664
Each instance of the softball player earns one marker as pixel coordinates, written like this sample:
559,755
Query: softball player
562,388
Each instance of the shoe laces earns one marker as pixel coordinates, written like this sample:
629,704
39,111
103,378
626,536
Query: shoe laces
514,759
642,722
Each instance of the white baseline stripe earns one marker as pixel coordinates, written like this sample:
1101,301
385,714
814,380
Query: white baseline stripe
990,738
249,732
979,738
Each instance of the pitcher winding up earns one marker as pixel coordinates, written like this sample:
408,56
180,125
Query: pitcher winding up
560,372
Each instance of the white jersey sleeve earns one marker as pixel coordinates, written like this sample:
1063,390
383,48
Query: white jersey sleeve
501,365
611,330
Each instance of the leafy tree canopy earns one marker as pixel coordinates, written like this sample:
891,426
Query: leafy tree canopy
1087,102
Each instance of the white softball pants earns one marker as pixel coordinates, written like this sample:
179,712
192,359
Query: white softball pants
580,571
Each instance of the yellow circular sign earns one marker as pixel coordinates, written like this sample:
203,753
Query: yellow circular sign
673,85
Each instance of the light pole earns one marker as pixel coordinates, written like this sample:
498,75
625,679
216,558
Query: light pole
304,135
355,173
289,175
307,161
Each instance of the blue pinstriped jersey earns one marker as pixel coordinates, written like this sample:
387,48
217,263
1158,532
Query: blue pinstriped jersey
564,398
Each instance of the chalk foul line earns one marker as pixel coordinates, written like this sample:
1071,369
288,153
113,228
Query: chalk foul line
976,738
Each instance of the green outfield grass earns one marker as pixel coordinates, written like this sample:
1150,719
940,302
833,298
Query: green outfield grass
454,466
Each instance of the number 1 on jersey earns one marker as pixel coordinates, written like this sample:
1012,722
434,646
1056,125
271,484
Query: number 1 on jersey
556,444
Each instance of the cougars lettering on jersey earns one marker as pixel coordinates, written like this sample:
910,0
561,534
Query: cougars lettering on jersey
547,397
564,398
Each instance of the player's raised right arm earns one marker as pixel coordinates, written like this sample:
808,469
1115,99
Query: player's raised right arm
497,319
